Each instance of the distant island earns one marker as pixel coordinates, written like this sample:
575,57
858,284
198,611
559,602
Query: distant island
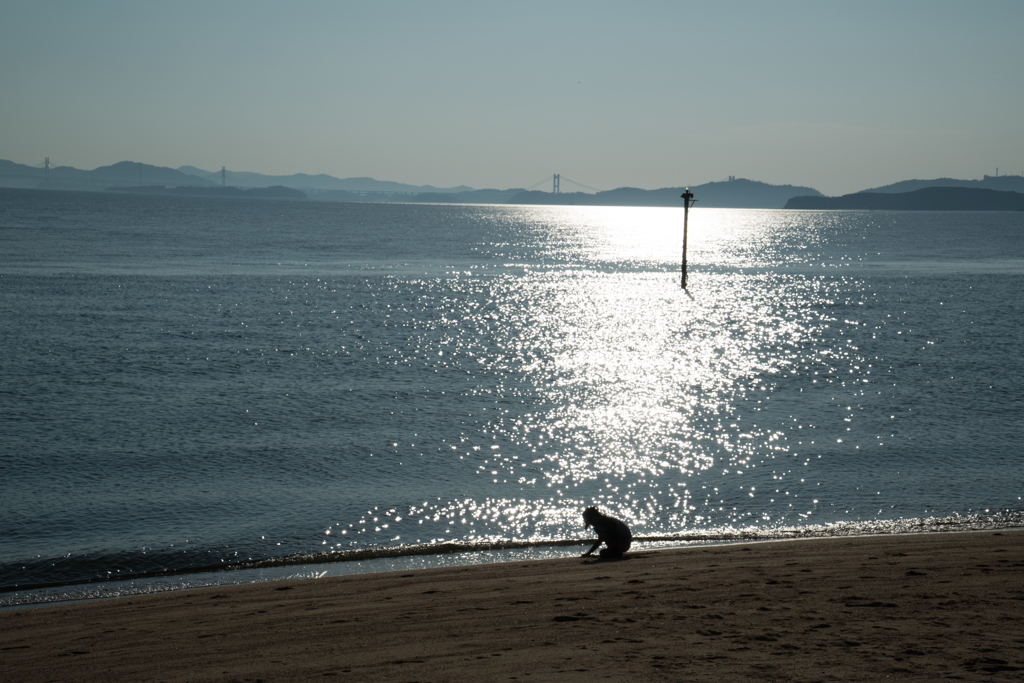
314,184
123,173
468,197
940,194
738,193
275,192
133,174
1006,183
925,199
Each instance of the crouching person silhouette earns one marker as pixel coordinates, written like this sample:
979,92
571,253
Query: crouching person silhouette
610,531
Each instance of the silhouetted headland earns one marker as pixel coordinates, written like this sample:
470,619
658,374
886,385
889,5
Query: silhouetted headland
926,199
727,194
123,173
1005,183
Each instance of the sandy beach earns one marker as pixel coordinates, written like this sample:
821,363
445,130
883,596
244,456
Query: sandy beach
913,607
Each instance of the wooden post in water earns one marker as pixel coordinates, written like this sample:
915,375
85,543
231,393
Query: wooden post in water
688,201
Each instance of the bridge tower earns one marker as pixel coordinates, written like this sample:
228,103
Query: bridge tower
557,182
46,167
223,176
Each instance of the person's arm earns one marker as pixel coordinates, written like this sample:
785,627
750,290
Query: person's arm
593,548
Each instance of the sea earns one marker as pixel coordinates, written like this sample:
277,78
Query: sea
197,391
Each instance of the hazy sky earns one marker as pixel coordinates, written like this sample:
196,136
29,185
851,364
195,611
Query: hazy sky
839,96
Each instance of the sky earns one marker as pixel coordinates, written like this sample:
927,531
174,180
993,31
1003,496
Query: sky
838,96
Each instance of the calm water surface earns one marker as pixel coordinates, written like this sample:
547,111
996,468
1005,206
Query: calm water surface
188,383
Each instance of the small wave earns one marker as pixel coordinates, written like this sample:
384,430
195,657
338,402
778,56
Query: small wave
1004,520
313,563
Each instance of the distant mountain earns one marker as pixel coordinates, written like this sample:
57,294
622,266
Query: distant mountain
19,175
1005,183
303,181
9,168
926,199
732,194
124,173
130,172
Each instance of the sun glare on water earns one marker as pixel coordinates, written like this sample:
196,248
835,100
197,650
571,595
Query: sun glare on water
627,392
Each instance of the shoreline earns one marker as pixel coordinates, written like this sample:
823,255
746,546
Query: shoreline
455,554
112,589
910,607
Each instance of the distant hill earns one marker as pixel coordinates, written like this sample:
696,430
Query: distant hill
926,199
130,172
732,194
9,168
303,181
1005,183
127,173
19,175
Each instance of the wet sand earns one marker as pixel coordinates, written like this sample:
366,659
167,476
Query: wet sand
916,607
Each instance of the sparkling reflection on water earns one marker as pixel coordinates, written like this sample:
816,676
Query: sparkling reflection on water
771,397
298,378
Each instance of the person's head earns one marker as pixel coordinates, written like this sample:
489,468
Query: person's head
590,515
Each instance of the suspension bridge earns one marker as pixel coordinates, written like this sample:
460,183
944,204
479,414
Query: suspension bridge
555,181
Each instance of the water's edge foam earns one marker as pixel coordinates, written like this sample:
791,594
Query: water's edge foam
425,556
